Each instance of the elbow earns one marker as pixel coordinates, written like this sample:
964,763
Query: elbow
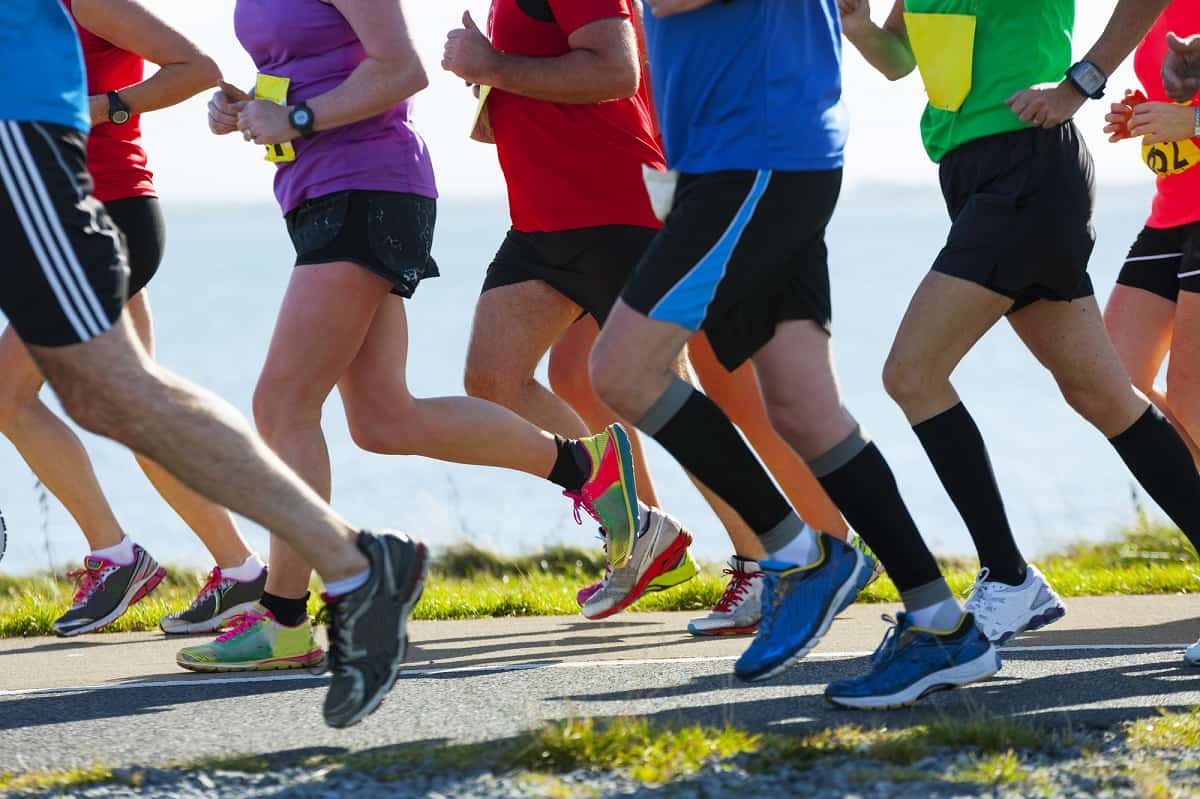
415,80
208,74
896,73
623,82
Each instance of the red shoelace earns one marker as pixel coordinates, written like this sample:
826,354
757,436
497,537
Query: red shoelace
735,592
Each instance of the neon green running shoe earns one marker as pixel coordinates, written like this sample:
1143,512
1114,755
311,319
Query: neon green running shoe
255,642
609,495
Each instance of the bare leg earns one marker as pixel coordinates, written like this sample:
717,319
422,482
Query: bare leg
1183,372
1139,324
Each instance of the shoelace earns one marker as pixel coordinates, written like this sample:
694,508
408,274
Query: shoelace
582,503
213,583
339,635
240,624
86,581
983,595
739,586
772,594
891,641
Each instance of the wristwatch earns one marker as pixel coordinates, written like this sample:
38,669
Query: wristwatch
1196,123
118,112
302,119
1088,79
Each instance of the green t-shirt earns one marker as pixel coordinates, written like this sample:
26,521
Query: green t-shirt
1009,45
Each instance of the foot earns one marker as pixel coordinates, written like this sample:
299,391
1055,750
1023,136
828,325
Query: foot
855,540
799,603
659,554
609,495
1192,655
740,607
368,628
1002,611
220,599
106,590
913,662
683,571
255,642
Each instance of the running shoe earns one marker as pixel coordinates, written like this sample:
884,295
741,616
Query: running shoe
1192,655
855,540
658,554
1002,611
220,599
105,590
3,536
255,641
609,495
681,572
740,607
368,627
799,603
913,662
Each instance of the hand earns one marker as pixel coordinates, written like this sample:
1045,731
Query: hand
1162,122
1118,122
469,54
264,122
1046,106
1181,68
856,15
666,8
224,107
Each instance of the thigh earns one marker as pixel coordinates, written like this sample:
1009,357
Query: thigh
1183,371
379,370
1139,324
568,366
515,325
22,380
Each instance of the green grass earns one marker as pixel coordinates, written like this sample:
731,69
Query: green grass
1166,731
52,779
468,582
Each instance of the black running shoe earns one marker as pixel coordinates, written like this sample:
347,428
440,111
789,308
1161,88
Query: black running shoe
368,628
220,599
106,590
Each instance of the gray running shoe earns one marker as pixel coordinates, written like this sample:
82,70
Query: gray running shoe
368,632
657,553
106,590
220,599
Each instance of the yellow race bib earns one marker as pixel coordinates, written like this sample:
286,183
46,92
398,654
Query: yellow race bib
944,46
1171,158
273,89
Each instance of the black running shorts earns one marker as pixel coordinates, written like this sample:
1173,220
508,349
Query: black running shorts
741,252
140,221
65,275
1021,204
1164,261
588,266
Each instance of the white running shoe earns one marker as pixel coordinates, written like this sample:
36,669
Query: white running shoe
1192,655
1002,611
740,608
659,560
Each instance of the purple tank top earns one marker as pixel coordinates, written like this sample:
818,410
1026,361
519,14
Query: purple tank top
311,43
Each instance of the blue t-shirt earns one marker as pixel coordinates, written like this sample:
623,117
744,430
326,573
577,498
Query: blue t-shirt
750,84
42,65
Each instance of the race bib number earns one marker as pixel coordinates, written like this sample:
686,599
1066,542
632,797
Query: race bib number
1171,158
273,89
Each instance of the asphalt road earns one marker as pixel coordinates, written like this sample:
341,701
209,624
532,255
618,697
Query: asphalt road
120,700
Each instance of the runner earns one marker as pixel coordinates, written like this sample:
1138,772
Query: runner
1155,306
117,572
355,184
758,145
1017,179
739,609
63,290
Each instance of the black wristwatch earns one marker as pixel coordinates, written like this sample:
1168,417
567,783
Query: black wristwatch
118,112
1088,79
302,119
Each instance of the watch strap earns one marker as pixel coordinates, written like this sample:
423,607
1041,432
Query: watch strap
1196,122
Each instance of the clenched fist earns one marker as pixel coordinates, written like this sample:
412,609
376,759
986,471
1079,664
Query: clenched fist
469,54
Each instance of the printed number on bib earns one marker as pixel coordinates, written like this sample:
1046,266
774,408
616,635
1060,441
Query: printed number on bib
274,89
1171,158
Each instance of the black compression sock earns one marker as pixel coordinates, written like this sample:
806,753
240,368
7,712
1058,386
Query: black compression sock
288,612
861,484
570,469
1161,462
959,456
705,442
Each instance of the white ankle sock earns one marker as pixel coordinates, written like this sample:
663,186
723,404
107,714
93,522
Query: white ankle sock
942,616
247,571
801,550
120,554
340,587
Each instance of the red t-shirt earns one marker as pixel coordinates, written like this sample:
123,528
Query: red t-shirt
114,154
1177,201
570,166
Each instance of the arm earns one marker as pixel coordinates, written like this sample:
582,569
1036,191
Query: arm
602,64
885,48
390,73
183,69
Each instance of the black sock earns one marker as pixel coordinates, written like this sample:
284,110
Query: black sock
569,471
705,442
288,612
861,484
959,456
1161,462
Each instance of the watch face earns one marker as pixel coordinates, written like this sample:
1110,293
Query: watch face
119,117
1089,77
302,117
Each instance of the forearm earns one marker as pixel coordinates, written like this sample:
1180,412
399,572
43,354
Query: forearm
1129,23
579,77
170,85
886,50
372,88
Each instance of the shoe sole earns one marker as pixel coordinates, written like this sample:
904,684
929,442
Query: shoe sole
415,590
1049,615
212,625
629,491
846,594
147,585
972,671
719,631
305,661
669,556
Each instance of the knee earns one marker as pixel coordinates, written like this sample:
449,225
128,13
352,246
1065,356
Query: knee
614,383
488,383
569,379
903,382
383,425
1183,401
1093,401
95,410
790,419
15,401
279,407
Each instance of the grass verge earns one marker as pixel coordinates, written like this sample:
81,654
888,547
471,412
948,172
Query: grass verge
471,583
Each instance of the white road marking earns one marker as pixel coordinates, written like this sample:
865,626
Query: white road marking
410,673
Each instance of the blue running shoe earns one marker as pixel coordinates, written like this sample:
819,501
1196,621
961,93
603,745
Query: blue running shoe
799,603
913,662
